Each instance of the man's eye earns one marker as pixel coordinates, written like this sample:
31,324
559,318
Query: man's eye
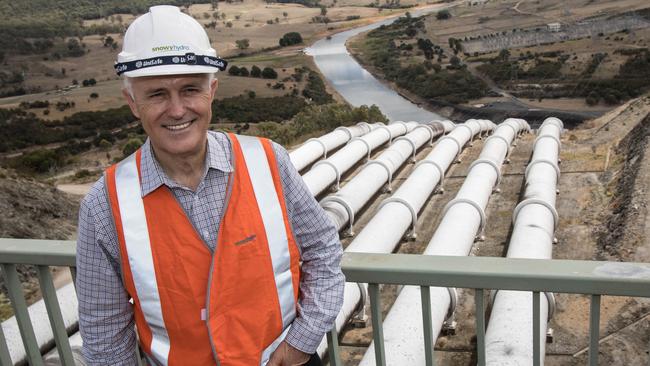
155,95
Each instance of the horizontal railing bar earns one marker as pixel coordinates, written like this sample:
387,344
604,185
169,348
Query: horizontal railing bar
518,274
38,252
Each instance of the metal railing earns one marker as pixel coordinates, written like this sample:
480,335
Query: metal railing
479,273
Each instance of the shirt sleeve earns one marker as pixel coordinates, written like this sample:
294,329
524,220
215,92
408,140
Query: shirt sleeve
322,282
105,314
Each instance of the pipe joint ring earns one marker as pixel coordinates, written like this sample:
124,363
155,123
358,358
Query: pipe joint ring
429,129
441,172
366,125
389,173
346,206
515,131
550,299
552,120
404,124
405,203
414,149
490,163
501,138
331,165
543,161
471,132
453,297
547,137
390,135
365,143
346,130
455,140
321,143
478,208
530,201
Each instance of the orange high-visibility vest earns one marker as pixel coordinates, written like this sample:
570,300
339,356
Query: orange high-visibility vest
193,307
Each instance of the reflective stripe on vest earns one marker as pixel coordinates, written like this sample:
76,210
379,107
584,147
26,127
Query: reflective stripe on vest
267,200
136,238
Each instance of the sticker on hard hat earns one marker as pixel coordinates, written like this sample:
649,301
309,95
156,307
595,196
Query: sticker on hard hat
189,59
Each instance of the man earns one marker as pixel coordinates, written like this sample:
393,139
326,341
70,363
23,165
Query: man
209,243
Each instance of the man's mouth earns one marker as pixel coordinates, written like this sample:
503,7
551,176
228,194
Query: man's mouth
179,126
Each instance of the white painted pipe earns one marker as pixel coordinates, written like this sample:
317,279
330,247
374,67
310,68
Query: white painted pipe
67,298
342,206
329,171
316,148
508,339
462,221
387,227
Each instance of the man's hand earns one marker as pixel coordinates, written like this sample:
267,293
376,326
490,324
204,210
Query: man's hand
285,355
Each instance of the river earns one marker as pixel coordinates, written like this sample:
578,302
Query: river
356,84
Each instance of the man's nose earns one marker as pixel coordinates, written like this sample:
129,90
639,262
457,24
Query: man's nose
176,107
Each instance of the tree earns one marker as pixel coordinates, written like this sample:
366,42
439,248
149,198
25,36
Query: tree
269,73
242,44
290,38
256,72
323,11
285,15
131,146
443,15
455,61
233,70
504,55
243,71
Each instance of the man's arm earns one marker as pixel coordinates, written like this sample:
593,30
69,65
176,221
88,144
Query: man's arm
322,282
105,314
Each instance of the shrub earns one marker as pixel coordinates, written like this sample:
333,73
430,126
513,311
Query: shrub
269,73
443,15
243,71
233,70
256,72
290,38
131,146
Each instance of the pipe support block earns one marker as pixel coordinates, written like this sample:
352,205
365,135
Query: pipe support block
390,135
347,130
543,161
346,206
478,208
414,149
321,143
501,138
547,137
435,165
407,204
490,163
537,201
455,140
365,143
336,171
386,167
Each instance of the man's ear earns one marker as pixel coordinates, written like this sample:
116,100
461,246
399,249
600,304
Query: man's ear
131,102
214,85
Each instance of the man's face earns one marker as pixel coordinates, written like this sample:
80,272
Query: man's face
175,111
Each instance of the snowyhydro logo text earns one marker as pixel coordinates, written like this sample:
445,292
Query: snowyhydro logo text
170,48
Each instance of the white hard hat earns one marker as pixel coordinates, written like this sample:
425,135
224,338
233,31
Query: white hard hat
166,41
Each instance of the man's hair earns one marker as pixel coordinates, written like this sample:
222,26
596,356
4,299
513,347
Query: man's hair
126,83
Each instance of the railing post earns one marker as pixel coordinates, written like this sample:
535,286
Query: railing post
429,342
377,330
22,315
5,356
54,313
536,329
594,329
480,326
333,347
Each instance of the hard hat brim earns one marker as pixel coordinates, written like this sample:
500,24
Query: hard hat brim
163,70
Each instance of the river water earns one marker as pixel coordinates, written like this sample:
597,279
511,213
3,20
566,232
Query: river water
357,85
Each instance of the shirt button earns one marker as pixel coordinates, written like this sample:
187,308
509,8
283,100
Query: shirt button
206,234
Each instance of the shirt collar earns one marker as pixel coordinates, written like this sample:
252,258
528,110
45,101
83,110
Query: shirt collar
153,176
